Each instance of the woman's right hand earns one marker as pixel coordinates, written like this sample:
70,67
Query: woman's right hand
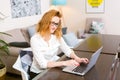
70,63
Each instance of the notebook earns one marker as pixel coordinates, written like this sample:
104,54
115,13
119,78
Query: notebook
83,69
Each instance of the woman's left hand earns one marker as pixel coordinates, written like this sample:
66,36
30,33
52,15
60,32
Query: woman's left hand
82,60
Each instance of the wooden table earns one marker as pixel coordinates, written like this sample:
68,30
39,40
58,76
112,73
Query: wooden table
94,41
99,72
104,66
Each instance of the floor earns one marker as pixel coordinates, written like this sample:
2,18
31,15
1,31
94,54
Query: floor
10,76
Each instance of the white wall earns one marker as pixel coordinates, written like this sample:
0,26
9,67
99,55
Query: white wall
74,15
10,23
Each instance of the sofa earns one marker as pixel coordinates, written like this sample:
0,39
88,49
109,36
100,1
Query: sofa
21,39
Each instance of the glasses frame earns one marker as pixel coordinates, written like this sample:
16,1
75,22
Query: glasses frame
55,24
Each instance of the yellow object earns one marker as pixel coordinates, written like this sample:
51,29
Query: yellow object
94,42
2,73
95,3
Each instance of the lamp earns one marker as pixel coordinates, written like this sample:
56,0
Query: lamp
60,3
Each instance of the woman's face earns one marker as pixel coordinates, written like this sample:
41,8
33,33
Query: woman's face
54,24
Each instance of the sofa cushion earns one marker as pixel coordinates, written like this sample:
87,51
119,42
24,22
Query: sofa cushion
89,23
32,30
17,36
25,32
71,39
96,27
64,30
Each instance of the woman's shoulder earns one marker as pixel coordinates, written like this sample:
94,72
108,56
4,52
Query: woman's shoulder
54,37
36,36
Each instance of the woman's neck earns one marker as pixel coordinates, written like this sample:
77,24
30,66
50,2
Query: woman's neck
47,38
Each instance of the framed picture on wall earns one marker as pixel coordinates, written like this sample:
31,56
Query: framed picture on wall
23,8
95,6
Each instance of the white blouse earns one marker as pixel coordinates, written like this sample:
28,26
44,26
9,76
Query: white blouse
43,53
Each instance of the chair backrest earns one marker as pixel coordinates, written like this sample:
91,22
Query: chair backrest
26,60
23,62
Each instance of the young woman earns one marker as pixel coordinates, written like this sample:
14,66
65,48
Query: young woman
46,43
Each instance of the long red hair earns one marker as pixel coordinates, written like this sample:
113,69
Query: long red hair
43,25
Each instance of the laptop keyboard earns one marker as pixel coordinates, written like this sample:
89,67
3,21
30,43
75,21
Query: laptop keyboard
80,68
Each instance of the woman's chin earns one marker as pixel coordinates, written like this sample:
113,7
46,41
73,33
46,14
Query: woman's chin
52,32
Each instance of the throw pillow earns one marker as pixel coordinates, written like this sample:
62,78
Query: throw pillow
64,30
71,39
96,27
32,30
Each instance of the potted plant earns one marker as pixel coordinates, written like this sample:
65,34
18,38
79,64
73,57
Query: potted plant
4,47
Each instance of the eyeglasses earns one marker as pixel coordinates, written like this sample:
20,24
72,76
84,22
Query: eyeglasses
55,24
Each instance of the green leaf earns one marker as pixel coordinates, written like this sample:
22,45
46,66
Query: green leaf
4,49
2,42
4,46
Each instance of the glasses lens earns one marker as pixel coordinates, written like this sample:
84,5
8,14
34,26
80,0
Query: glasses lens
55,24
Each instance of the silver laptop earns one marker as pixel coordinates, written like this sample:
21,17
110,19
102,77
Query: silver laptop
83,69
